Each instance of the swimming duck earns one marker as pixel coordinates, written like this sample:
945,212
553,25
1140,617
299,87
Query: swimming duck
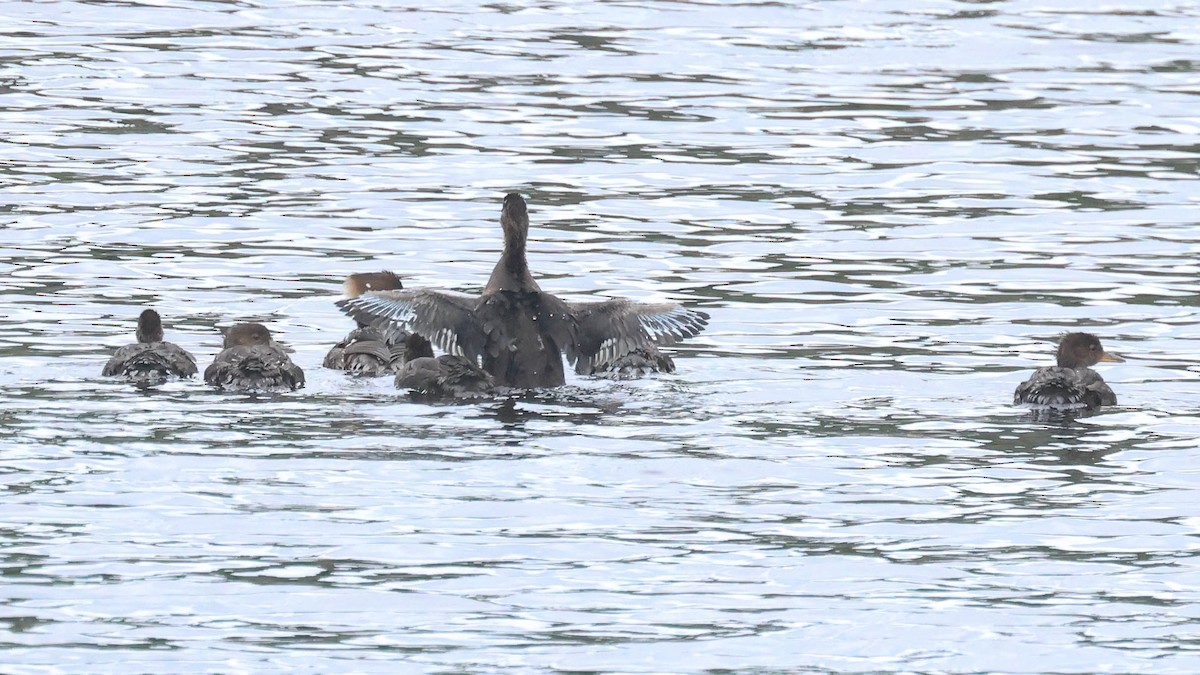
369,350
446,376
1072,383
252,361
634,364
520,332
152,360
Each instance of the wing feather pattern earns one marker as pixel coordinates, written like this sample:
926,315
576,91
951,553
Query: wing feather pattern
611,329
447,319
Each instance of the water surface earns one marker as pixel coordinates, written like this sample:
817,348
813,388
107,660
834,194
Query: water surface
888,210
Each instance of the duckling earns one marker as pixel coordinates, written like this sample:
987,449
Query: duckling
447,376
1072,383
370,351
252,361
152,360
519,332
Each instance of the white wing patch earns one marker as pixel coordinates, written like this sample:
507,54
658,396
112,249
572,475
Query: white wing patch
429,313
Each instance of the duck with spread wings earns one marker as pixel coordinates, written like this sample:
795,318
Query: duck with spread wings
519,333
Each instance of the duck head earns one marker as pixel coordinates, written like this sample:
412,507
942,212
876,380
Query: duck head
247,335
514,218
149,327
1082,350
366,282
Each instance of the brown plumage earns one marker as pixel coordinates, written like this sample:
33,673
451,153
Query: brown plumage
517,332
365,282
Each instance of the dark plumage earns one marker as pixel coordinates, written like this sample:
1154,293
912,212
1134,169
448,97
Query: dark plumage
1072,383
152,360
519,333
369,350
252,361
634,364
447,376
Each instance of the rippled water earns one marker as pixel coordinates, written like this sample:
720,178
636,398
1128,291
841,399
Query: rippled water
887,208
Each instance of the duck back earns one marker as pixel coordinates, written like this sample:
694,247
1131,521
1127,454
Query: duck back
1058,387
151,362
637,363
369,352
445,377
254,368
526,333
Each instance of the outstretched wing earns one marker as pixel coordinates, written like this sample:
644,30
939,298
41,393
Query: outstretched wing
614,328
447,319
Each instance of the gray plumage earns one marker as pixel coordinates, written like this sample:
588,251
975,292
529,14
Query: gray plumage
1071,383
631,365
369,351
517,332
152,360
445,377
253,362
620,333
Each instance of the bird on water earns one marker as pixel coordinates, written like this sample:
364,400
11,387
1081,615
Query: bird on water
370,351
448,376
151,360
1071,383
252,361
519,333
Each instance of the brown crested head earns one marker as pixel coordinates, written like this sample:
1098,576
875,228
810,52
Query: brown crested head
514,218
149,326
1082,350
247,335
366,282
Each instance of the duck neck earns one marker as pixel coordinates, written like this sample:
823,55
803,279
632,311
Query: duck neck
149,328
1073,362
149,336
512,271
514,255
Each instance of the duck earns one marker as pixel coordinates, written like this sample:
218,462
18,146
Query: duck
1072,383
448,376
369,351
634,364
518,332
252,361
152,360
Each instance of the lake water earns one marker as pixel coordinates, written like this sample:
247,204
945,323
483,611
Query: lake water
888,209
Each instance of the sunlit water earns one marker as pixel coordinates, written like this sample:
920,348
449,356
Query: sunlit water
887,208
